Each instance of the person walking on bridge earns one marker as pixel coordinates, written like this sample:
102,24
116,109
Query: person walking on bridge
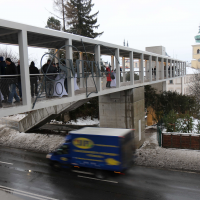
33,79
11,69
4,88
19,80
108,76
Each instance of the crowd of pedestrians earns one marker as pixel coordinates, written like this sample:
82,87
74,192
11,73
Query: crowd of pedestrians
10,79
174,72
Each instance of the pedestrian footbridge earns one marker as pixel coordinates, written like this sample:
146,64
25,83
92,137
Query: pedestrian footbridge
83,79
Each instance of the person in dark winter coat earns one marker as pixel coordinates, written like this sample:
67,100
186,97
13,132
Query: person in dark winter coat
108,76
48,68
33,79
11,69
4,87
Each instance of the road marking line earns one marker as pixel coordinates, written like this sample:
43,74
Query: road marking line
6,163
81,172
97,179
19,193
25,193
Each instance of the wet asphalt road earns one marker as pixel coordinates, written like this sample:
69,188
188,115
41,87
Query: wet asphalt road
42,183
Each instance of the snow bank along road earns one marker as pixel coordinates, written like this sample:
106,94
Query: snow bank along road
150,154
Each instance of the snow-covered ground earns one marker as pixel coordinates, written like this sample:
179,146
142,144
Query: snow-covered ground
16,117
30,141
80,121
84,121
150,154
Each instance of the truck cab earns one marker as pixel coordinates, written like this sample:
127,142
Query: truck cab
60,156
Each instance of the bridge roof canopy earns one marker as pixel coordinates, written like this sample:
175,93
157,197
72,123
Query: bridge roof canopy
52,39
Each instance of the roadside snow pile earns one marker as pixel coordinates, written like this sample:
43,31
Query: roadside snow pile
16,117
30,141
53,121
150,154
84,121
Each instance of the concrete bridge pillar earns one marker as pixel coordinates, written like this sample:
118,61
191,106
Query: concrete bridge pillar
167,72
117,66
112,63
150,68
80,70
124,109
123,69
173,71
157,69
141,67
162,68
131,68
171,68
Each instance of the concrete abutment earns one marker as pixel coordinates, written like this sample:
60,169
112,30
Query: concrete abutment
124,109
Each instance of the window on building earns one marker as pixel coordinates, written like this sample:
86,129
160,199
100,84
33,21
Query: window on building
197,51
171,82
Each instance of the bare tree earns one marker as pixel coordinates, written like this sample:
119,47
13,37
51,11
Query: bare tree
194,85
8,53
59,5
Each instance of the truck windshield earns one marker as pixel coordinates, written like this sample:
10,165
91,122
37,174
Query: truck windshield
63,149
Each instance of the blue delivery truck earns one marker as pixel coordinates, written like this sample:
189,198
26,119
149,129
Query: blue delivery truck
95,149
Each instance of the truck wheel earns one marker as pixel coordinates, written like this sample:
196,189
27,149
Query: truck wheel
100,174
56,166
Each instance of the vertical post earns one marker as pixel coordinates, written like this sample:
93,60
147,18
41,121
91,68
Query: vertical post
162,68
181,70
112,62
185,68
176,68
131,68
146,74
25,77
117,68
173,72
69,55
80,70
166,68
171,68
57,55
123,69
98,60
157,69
142,68
150,68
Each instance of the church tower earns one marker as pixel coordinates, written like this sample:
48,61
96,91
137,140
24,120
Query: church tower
196,52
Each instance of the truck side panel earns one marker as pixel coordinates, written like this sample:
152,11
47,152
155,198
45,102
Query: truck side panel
96,151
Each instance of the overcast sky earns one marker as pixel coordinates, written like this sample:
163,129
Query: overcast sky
170,23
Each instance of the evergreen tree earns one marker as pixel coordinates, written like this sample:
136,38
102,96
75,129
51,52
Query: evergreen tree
80,21
53,23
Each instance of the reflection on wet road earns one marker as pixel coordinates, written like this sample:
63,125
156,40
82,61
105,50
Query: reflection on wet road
26,175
